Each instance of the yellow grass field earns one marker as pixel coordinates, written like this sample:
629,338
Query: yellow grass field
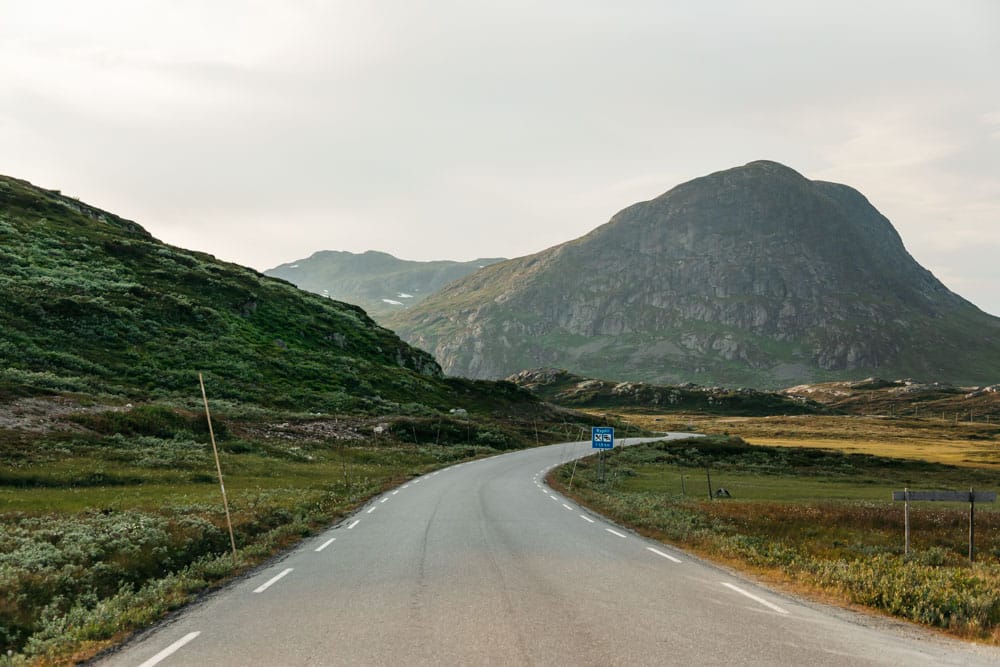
975,444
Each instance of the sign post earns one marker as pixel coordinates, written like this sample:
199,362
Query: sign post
971,496
601,438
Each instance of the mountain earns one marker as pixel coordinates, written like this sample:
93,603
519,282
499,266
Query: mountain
93,304
376,281
750,276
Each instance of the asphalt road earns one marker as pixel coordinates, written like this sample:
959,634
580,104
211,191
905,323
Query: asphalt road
482,564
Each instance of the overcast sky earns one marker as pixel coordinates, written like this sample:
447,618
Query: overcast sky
262,131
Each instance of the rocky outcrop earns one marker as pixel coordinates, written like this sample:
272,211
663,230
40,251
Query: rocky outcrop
753,276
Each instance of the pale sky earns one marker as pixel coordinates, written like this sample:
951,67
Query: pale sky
262,131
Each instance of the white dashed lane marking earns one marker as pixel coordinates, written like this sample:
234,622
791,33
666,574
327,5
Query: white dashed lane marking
272,581
665,555
170,650
760,600
326,544
615,532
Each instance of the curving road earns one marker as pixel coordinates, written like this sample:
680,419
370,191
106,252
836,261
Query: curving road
482,564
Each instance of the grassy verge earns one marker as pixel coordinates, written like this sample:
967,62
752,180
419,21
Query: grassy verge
817,520
114,519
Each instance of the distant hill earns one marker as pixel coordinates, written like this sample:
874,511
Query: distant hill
378,282
93,304
907,397
753,276
569,390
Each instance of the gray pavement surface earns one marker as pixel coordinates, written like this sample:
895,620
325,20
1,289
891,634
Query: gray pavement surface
482,564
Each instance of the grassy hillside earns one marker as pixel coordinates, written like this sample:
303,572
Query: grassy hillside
93,304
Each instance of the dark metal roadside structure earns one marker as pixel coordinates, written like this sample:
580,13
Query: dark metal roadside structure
971,496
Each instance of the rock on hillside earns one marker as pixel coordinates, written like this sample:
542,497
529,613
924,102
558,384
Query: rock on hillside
753,276
906,397
569,390
95,305
376,281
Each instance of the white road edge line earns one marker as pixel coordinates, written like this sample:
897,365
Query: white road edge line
567,507
769,605
615,532
406,486
383,500
660,553
326,544
395,492
353,525
554,498
170,650
264,587
370,511
586,518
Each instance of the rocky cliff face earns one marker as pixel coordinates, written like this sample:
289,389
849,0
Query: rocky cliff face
754,275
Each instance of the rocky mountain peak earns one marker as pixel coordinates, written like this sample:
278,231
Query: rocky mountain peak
752,275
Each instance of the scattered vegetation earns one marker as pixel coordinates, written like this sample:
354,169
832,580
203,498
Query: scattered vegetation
109,503
820,520
106,527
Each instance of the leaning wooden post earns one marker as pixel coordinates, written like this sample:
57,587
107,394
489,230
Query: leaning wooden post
218,466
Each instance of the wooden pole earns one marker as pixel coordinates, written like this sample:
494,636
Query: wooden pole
906,521
218,466
708,474
972,526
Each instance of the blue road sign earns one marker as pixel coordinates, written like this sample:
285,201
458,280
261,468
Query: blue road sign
602,437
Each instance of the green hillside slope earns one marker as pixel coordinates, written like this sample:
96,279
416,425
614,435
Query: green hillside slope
93,304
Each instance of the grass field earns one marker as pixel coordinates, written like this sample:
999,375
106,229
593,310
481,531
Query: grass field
812,509
970,444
